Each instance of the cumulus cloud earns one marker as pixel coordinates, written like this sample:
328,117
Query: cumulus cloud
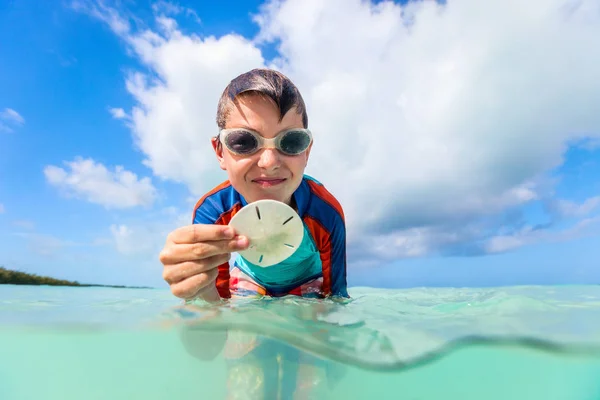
567,208
118,113
9,118
174,115
146,238
430,120
127,241
172,9
92,181
104,13
531,235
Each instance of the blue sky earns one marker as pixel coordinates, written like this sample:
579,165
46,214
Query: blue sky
467,162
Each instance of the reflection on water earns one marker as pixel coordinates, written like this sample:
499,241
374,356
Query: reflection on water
295,348
260,367
263,368
392,332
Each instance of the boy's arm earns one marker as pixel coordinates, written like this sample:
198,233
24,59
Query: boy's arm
328,212
206,213
338,259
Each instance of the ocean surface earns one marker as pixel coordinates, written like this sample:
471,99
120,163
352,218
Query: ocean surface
534,342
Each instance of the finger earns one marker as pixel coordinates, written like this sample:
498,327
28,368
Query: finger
190,287
210,293
178,253
178,272
200,233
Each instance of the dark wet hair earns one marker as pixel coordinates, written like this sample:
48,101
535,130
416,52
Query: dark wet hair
266,82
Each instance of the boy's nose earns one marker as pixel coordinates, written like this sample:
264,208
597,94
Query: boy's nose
269,159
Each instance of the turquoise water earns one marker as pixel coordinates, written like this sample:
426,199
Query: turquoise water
417,344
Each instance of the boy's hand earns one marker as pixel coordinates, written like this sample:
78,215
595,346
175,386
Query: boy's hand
191,256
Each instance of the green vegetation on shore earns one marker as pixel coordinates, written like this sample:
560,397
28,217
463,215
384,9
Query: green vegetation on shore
10,277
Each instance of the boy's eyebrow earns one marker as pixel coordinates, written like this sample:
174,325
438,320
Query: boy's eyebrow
242,126
247,127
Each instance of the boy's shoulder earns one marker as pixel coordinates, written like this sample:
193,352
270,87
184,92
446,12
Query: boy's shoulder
221,200
326,198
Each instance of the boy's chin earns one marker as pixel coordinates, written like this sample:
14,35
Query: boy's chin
282,197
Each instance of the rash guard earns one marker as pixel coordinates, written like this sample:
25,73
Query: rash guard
319,265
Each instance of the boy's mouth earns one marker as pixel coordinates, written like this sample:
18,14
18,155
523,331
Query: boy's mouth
268,182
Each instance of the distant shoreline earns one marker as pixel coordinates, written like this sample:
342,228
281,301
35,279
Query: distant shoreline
11,277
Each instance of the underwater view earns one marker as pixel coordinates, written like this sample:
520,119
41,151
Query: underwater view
534,342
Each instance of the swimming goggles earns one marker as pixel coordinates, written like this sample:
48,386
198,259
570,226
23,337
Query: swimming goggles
245,142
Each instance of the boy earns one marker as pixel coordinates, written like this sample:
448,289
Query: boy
256,106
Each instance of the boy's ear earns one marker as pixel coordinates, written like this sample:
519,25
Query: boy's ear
218,148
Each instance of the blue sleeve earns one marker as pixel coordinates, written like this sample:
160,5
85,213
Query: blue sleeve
211,208
206,213
338,259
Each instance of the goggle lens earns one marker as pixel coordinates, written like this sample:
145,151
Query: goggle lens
294,142
241,142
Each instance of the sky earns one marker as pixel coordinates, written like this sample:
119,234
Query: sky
462,138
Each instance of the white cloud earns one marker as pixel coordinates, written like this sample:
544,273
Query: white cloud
170,8
118,113
447,115
530,235
129,242
104,13
92,181
10,115
8,118
146,238
571,209
173,121
428,118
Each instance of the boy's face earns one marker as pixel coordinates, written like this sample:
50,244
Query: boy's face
266,174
